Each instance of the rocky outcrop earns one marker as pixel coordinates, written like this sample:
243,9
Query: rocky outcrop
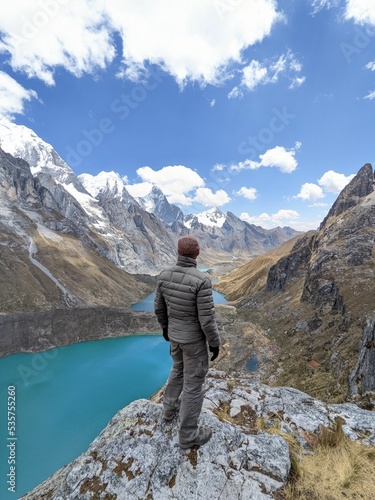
38,331
360,186
362,378
291,267
137,455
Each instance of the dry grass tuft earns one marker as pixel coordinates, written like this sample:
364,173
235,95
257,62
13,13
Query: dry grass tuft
338,468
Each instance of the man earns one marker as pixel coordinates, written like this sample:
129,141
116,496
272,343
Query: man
185,310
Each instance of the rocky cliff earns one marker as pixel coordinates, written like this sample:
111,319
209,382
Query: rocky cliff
137,455
315,301
42,330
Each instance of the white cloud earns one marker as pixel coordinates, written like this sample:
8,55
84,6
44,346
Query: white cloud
13,96
310,192
41,36
269,221
235,93
253,75
249,193
176,182
321,4
218,167
297,82
371,66
277,157
361,11
212,103
192,40
333,182
208,198
370,95
257,73
139,190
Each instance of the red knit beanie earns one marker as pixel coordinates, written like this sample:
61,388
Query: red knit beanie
188,246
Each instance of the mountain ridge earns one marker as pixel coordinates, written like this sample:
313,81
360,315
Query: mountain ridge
136,240
314,303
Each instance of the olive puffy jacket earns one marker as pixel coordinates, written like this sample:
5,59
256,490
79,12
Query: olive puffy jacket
184,303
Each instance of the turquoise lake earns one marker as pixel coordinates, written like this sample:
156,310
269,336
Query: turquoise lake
66,396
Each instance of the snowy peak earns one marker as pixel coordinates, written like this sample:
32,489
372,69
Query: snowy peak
211,218
156,202
104,185
22,142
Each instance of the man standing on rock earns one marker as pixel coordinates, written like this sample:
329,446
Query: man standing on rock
185,310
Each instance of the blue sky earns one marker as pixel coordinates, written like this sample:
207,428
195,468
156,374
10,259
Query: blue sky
261,107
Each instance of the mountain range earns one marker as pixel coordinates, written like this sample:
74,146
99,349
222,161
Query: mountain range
73,241
314,297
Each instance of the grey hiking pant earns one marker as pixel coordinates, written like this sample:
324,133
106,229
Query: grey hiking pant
190,366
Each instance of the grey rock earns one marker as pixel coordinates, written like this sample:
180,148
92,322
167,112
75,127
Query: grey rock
359,187
362,378
137,455
295,411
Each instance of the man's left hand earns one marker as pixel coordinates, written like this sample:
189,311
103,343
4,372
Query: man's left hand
215,351
165,334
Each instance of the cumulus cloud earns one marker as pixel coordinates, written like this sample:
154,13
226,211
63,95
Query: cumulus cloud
330,182
310,192
277,157
208,198
176,182
193,40
333,182
360,11
139,190
180,184
13,96
257,73
41,36
249,193
268,221
253,75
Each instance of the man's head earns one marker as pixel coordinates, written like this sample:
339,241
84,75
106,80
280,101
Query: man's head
188,246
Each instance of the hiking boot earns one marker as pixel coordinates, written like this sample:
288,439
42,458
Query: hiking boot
169,415
204,435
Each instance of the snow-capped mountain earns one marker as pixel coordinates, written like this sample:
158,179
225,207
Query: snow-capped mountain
78,229
210,218
22,142
133,239
105,185
157,203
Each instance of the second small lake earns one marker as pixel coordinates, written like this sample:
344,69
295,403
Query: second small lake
147,304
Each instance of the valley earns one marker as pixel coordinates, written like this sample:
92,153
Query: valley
77,251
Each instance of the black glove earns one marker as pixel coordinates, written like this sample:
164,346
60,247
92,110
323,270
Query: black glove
215,351
165,333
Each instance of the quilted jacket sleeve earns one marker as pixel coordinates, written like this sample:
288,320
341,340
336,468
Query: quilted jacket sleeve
206,313
160,307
